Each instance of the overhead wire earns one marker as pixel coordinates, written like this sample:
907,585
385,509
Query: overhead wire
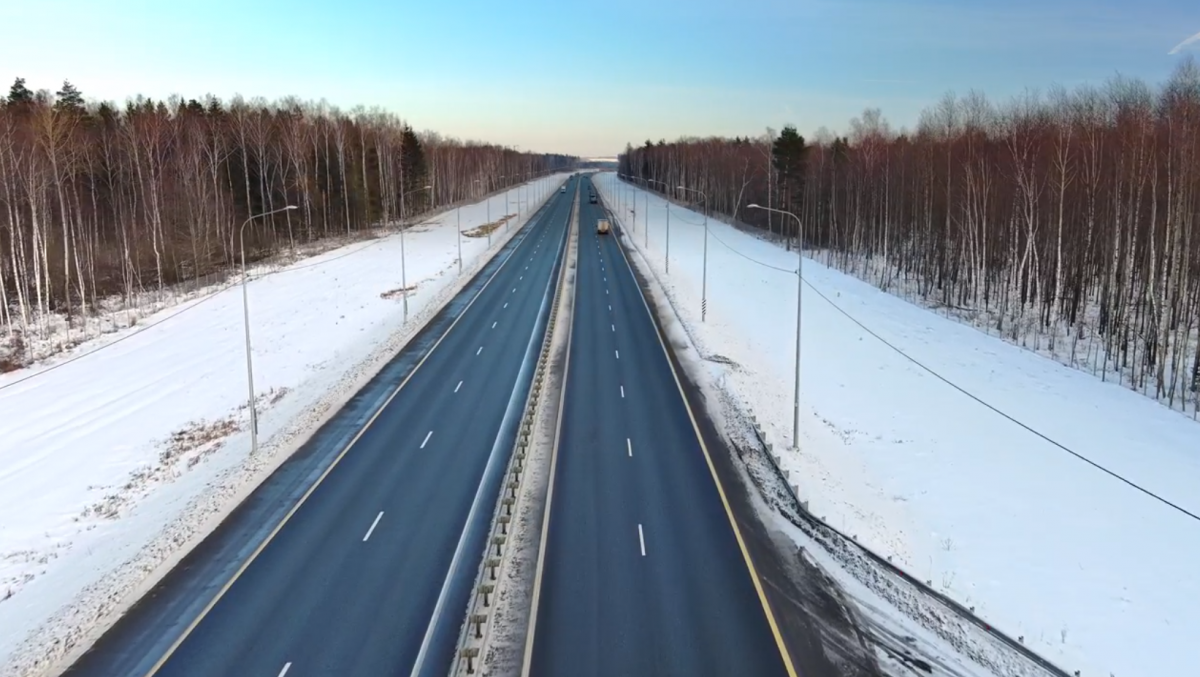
1059,445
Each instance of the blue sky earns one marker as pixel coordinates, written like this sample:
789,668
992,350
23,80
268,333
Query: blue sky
584,78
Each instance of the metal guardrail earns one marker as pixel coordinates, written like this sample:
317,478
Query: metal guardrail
476,630
834,540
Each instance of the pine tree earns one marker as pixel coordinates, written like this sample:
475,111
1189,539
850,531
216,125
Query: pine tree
69,99
19,94
414,171
788,154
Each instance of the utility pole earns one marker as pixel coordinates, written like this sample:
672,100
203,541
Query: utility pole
799,305
704,279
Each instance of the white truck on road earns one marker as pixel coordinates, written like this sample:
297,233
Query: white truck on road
602,226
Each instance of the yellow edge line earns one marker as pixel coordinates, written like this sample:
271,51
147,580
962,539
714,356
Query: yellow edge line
274,532
527,661
762,597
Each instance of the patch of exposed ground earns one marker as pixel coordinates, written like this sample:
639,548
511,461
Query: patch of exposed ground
180,452
398,292
485,229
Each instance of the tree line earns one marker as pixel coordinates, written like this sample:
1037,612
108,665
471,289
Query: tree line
100,202
1066,221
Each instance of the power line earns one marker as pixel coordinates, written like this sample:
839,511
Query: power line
789,271
1011,419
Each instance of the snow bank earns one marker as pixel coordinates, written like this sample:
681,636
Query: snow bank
1093,573
113,461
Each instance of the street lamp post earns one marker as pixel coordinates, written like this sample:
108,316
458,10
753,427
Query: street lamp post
667,204
704,279
489,211
502,176
403,271
799,305
646,213
246,322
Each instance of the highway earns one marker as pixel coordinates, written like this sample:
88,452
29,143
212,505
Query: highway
643,573
359,556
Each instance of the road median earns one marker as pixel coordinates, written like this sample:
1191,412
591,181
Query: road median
493,633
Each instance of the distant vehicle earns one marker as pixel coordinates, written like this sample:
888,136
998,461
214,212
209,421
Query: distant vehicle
592,198
602,226
563,189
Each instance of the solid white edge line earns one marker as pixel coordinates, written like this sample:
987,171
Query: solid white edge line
369,532
458,386
426,440
642,540
286,666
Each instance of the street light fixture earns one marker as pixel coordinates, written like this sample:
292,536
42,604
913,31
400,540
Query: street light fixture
403,271
799,305
246,321
704,279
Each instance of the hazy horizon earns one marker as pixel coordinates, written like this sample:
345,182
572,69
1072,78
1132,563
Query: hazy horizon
584,79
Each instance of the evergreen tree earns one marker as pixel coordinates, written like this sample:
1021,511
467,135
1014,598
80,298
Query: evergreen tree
788,156
414,170
19,94
69,99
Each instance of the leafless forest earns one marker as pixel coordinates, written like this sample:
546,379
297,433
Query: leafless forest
104,206
1065,221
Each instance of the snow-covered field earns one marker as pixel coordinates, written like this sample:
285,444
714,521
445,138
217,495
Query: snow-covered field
1091,572
112,461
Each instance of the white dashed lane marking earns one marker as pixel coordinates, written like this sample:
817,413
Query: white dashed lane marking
369,532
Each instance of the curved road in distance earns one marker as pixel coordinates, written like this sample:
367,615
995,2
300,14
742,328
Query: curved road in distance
348,581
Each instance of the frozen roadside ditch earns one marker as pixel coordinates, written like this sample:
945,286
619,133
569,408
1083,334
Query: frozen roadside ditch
94,431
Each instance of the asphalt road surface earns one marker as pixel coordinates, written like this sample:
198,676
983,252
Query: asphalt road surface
344,562
643,572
